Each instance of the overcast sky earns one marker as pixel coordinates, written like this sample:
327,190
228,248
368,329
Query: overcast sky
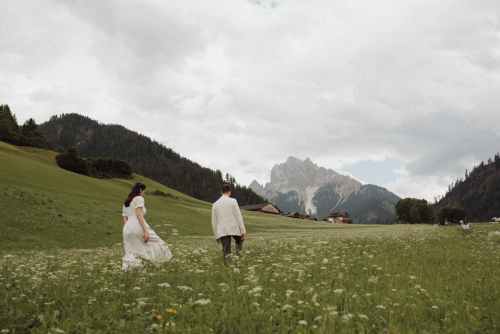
402,94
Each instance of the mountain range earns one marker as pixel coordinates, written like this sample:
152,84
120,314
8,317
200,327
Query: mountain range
305,187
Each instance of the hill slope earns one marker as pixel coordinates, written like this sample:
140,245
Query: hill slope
147,157
44,206
478,194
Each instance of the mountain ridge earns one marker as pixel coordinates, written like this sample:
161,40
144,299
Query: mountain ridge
304,186
147,157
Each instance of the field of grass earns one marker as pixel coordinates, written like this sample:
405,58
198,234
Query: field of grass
61,250
45,206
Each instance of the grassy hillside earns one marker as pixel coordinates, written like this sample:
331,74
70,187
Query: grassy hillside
44,206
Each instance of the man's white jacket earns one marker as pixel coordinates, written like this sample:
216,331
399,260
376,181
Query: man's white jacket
226,218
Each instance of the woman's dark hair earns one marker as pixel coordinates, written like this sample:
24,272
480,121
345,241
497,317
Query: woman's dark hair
136,190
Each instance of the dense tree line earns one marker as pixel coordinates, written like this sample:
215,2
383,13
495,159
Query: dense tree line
25,135
478,192
95,167
147,157
415,211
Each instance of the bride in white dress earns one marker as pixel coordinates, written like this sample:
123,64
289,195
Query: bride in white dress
139,240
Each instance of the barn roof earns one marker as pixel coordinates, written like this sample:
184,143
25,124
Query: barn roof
256,206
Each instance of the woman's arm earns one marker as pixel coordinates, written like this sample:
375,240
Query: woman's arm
143,224
125,219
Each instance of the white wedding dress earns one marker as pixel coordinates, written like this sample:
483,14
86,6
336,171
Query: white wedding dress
155,250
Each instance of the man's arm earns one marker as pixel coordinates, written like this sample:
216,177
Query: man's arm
214,222
239,218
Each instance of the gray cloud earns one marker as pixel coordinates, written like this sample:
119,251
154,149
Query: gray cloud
241,85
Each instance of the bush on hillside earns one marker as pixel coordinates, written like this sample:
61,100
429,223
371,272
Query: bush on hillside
161,193
71,161
112,167
95,167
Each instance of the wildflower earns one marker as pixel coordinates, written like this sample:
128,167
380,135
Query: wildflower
338,291
402,315
362,316
184,287
286,307
435,306
262,323
159,317
203,301
256,304
165,285
380,306
384,330
303,322
318,318
325,260
137,288
53,302
476,308
170,310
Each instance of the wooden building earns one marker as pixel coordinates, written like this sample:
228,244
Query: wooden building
338,217
293,215
268,208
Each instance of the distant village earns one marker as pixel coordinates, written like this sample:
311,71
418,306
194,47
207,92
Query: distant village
271,209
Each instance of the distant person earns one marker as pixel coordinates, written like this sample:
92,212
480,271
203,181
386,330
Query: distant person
227,223
139,240
496,231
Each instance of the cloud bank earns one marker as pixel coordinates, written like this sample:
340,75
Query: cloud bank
241,85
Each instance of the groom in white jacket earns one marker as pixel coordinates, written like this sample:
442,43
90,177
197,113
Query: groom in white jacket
227,223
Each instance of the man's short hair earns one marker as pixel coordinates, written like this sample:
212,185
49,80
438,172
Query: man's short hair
225,188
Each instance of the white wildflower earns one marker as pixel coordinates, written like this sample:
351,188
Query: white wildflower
325,260
137,288
164,285
184,287
300,302
256,304
338,291
289,293
203,301
303,322
286,306
380,306
434,306
317,318
362,316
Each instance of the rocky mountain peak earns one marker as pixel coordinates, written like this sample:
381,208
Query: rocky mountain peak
301,185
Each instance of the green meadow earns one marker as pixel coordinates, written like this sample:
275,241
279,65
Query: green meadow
61,250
